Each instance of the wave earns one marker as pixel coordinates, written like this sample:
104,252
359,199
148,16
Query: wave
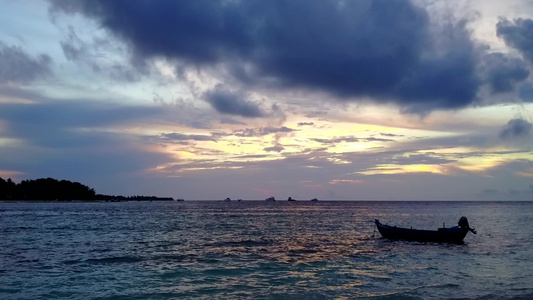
133,259
243,243
105,260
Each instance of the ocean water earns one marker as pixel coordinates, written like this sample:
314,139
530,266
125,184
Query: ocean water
260,250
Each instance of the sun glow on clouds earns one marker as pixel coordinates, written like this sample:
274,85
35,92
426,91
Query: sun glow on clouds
465,159
336,138
9,174
13,142
331,141
346,181
526,173
4,99
391,169
480,164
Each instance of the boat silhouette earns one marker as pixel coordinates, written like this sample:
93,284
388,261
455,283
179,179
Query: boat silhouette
452,235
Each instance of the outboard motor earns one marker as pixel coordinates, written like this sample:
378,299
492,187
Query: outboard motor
463,223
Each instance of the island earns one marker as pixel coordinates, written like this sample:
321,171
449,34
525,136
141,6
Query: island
50,189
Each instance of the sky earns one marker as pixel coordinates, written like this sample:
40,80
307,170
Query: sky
207,99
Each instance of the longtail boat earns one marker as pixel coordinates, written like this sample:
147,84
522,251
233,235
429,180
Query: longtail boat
452,235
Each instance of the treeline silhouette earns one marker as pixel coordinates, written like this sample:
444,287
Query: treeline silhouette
50,189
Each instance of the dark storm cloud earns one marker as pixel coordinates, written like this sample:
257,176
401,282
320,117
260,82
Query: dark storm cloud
526,92
516,128
232,103
503,72
200,31
384,49
517,34
18,66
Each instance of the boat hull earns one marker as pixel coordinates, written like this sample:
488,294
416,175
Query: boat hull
453,235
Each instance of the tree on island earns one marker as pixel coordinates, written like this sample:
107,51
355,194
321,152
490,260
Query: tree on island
50,189
45,189
7,189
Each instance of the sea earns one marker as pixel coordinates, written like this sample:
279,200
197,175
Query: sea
261,250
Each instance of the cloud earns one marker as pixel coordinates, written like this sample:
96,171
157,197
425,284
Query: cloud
389,51
277,148
516,128
374,139
58,124
225,120
95,55
346,181
517,34
169,137
526,92
62,140
504,72
96,162
77,139
391,134
74,48
233,103
413,159
305,124
350,139
252,132
18,66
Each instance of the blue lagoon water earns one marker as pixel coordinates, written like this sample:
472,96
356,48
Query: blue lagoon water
260,250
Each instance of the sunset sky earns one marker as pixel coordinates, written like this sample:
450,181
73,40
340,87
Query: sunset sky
341,100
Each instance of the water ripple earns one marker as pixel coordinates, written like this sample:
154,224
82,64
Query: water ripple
211,250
